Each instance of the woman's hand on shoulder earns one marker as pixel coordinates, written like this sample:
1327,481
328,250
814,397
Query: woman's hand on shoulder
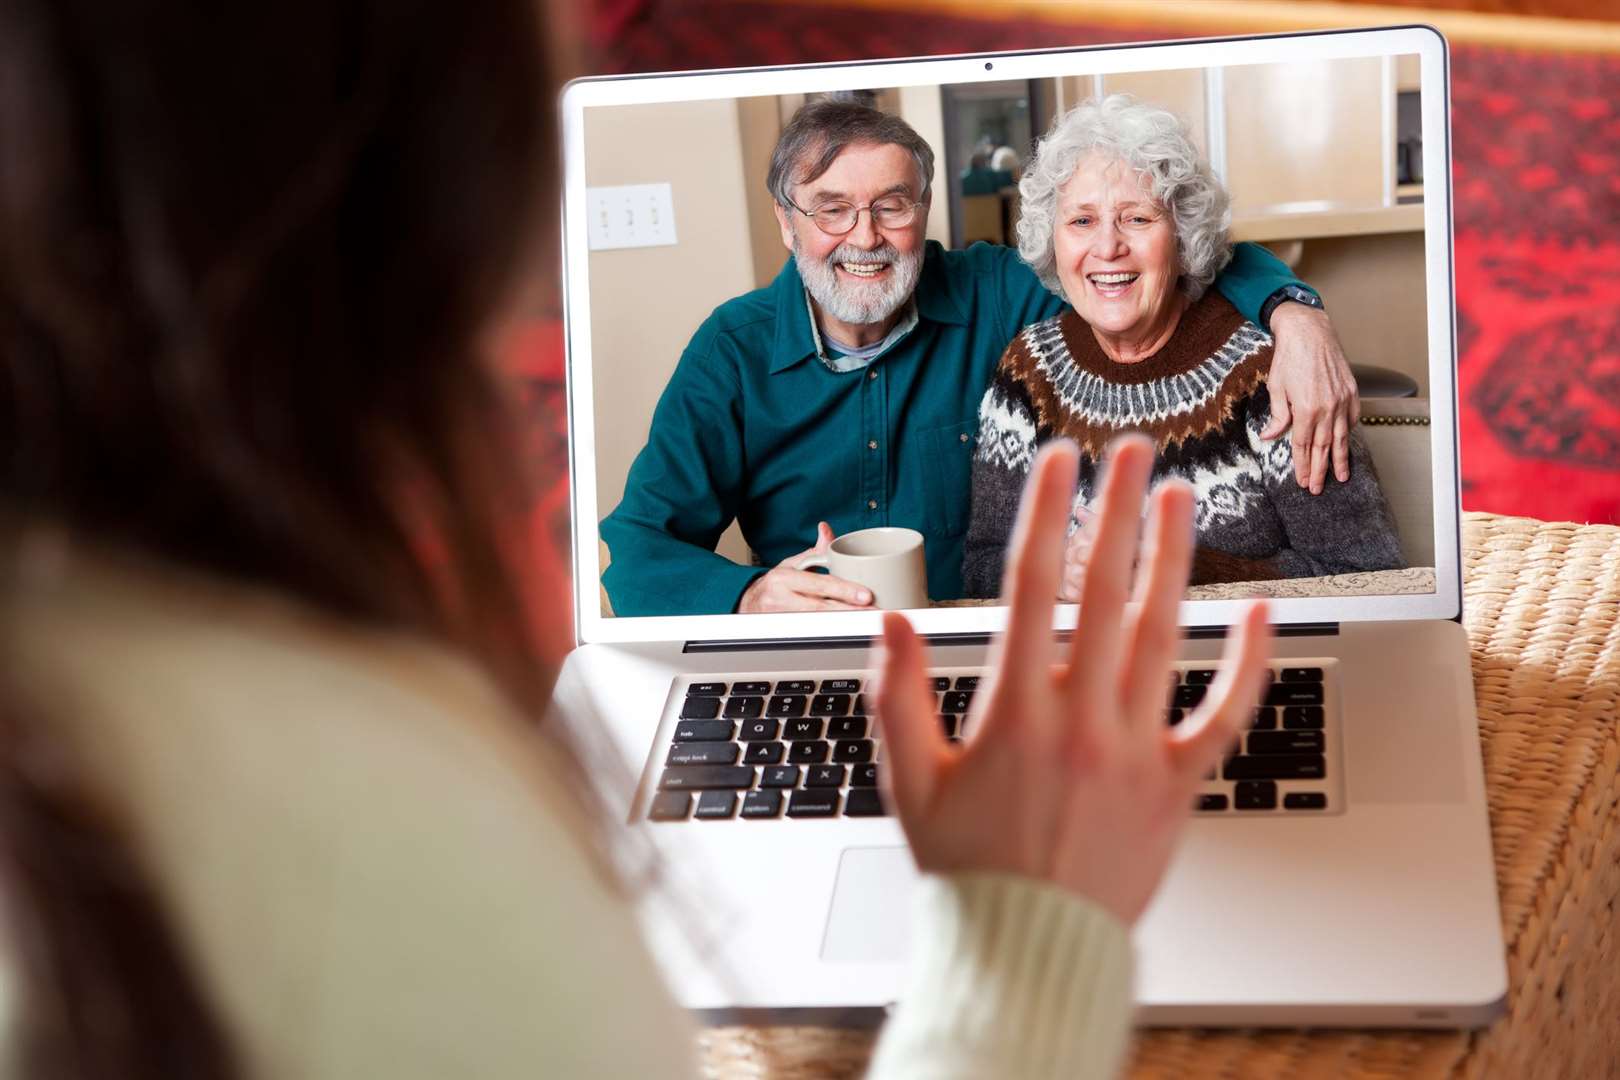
1068,772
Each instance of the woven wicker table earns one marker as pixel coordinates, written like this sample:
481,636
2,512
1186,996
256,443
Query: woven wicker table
1543,614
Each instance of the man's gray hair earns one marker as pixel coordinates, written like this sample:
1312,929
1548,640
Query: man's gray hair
823,129
1154,143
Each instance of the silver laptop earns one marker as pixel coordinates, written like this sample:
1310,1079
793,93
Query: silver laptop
1339,870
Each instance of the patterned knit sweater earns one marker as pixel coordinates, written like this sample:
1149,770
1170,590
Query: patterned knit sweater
1202,398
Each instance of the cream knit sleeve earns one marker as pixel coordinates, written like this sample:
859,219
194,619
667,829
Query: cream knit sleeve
1009,978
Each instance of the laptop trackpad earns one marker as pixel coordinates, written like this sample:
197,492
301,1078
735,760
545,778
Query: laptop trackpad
870,920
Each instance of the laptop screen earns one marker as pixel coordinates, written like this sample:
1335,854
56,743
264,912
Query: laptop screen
818,332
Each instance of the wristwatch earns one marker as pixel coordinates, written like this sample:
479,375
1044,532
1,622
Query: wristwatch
1284,295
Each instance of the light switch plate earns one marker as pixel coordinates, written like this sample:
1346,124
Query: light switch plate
630,216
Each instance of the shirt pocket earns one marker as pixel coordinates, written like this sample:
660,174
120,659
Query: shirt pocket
948,475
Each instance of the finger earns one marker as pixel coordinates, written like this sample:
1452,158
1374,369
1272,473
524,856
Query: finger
1281,415
824,536
1198,744
1321,454
1036,563
1155,631
1341,449
826,586
905,712
1095,648
1300,442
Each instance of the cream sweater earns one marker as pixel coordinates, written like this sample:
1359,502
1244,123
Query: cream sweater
375,876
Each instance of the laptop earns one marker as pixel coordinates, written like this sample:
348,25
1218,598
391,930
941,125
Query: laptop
1338,871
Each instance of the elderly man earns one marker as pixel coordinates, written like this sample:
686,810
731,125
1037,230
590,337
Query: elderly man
845,394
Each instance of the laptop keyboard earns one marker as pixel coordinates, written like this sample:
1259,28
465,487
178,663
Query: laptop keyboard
754,748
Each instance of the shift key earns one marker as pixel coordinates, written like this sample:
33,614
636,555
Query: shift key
698,777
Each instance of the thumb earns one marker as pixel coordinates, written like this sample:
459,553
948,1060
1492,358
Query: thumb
1282,416
905,710
824,536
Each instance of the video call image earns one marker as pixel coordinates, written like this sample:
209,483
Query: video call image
830,332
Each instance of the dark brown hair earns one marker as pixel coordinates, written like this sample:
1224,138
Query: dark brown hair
247,253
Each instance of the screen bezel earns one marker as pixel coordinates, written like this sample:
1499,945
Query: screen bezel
1425,41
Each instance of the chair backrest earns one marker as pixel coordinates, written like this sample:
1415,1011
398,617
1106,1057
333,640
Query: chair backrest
1396,431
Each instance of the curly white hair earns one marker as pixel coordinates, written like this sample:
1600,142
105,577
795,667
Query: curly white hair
1151,141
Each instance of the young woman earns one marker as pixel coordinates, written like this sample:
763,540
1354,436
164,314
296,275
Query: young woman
272,801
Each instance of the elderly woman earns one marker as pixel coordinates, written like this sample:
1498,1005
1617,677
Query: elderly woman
1122,220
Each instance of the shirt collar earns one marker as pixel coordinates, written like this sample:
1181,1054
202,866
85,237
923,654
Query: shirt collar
796,338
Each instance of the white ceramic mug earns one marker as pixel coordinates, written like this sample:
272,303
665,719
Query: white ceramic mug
887,560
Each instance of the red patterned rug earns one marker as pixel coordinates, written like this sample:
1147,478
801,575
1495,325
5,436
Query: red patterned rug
1536,167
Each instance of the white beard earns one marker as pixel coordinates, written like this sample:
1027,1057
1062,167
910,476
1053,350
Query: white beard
854,302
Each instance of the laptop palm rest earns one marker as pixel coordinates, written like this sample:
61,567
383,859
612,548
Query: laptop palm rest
870,918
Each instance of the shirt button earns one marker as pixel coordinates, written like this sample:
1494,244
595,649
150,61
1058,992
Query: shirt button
871,374
963,436
871,444
871,504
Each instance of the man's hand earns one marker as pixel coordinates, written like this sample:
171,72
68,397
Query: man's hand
1312,390
786,588
1068,773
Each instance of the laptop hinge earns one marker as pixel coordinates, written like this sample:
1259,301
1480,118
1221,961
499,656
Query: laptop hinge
1324,629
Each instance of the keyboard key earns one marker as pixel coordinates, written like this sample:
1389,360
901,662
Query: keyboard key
758,730
1210,802
1302,717
1174,716
1265,718
941,684
764,753
967,682
1255,795
716,804
786,705
807,752
702,753
670,806
840,686
859,708
1275,767
696,777
796,686
712,689
762,804
948,722
957,701
1305,800
744,708
829,705
813,802
1287,742
704,731
863,776
1201,676
1301,674
852,751
1188,695
780,776
700,708
847,727
824,776
751,688
864,802
802,729
1294,694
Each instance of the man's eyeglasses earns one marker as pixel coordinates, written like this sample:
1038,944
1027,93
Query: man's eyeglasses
838,218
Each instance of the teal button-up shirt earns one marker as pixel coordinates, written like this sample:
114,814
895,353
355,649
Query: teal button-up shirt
754,427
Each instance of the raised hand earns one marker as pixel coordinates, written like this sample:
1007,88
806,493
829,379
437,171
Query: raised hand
1069,773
